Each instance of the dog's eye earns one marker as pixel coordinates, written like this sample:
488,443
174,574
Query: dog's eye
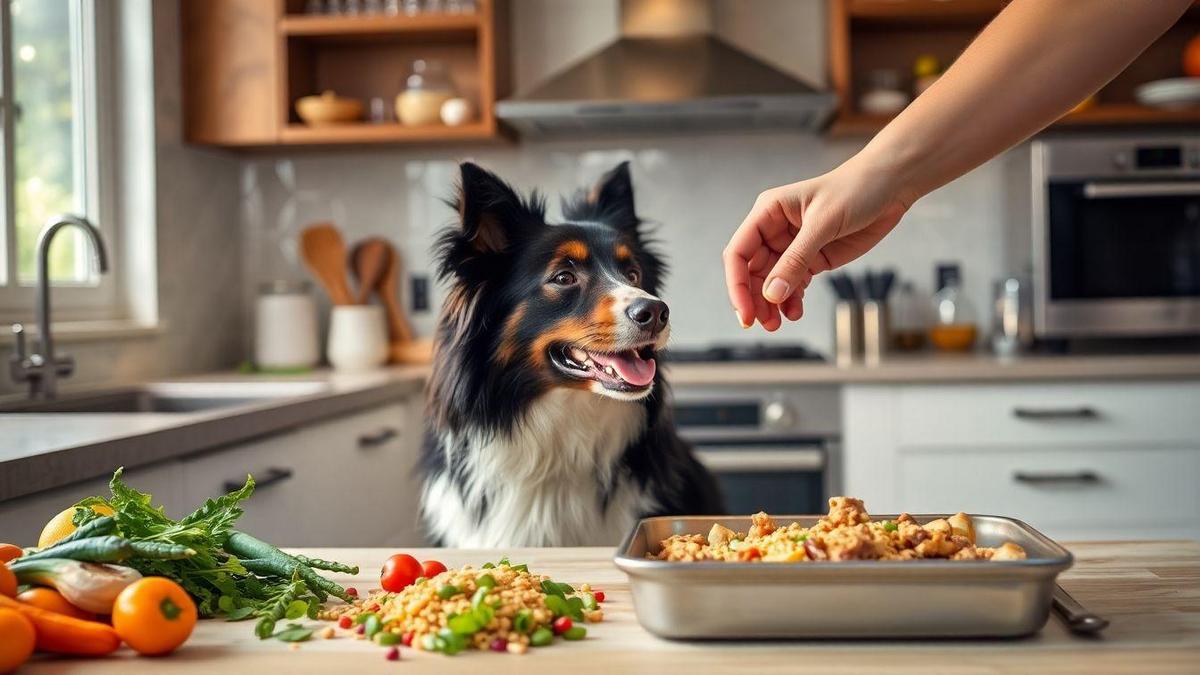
564,278
634,277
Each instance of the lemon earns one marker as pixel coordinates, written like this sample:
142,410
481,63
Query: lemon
61,525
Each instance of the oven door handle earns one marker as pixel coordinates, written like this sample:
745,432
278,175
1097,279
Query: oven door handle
748,458
1119,190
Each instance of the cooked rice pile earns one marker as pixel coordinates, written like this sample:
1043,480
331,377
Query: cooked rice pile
846,533
420,610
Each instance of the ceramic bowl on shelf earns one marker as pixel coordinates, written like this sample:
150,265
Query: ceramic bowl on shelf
328,108
1171,94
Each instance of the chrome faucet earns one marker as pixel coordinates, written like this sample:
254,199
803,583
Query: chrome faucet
42,370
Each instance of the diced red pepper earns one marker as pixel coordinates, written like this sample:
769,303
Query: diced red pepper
345,622
562,624
407,639
598,595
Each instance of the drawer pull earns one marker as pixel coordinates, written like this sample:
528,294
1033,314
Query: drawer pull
1080,413
378,438
272,476
1077,478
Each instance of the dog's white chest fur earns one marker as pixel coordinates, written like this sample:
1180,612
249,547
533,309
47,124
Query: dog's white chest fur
541,486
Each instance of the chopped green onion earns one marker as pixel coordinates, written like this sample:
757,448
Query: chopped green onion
420,580
890,526
464,624
477,599
362,617
448,591
523,621
487,566
486,581
799,537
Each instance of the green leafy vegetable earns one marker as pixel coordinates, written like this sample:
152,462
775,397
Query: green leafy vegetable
294,632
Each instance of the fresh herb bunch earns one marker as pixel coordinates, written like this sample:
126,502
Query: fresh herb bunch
228,573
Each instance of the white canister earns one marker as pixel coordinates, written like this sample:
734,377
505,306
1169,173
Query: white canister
285,335
357,338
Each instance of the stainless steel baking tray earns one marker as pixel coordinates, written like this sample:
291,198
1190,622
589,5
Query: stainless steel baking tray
848,599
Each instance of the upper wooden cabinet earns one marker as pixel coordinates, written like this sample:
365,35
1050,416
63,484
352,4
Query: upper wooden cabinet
869,35
246,62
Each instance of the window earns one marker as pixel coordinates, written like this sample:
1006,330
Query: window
51,62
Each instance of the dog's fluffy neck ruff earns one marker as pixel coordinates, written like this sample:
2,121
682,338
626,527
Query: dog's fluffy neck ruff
549,481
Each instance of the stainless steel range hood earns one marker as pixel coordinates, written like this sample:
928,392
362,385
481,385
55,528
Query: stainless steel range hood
667,72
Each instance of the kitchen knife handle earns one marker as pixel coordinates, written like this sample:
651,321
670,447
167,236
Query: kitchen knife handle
378,438
1085,477
275,474
1077,617
1080,413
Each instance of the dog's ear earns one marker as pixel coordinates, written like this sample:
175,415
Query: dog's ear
490,211
611,199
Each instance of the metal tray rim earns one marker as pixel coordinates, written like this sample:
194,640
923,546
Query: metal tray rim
1063,559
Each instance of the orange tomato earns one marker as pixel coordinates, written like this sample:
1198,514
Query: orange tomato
10,552
8,581
53,601
1191,57
18,641
154,615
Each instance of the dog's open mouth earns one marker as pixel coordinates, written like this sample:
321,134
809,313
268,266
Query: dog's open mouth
630,370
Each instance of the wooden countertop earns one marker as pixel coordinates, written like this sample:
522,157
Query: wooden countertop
1149,590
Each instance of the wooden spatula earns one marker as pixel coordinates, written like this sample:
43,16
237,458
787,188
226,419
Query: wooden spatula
369,261
325,255
398,328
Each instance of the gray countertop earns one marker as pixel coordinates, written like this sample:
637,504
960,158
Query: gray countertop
40,451
941,368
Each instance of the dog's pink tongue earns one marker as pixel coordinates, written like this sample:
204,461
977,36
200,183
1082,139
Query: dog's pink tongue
632,368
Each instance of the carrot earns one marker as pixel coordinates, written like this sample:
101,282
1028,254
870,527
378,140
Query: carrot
66,635
10,552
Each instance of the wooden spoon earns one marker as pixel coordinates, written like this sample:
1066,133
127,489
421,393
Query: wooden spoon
369,260
325,255
398,328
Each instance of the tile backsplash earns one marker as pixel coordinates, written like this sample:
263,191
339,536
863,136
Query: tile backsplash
692,190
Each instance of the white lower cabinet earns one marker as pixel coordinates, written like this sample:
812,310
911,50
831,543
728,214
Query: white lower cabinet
1098,460
345,481
22,519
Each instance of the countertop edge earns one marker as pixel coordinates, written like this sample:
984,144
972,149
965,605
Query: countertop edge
58,468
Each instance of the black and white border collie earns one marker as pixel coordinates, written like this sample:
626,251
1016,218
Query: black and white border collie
547,424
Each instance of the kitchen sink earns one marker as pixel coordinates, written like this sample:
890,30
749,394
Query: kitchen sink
168,397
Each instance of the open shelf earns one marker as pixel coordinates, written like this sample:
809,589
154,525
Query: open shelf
366,133
870,35
417,27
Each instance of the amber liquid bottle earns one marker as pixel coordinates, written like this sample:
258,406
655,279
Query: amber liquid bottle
953,328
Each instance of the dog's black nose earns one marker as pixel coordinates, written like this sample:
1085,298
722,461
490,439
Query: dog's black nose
649,313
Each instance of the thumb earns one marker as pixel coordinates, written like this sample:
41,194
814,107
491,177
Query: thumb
796,265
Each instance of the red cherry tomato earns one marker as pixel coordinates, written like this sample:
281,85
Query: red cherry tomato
598,595
432,568
398,572
562,624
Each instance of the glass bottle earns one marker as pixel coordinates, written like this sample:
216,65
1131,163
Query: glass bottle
908,319
426,89
953,317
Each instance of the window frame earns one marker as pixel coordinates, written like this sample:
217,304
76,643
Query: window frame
93,85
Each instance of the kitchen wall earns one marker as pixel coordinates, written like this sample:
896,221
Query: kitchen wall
695,189
190,195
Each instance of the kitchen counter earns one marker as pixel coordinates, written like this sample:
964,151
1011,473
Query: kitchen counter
1149,590
41,451
927,367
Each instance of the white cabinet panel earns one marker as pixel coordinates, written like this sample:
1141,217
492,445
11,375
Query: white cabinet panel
1062,491
937,448
1086,412
22,519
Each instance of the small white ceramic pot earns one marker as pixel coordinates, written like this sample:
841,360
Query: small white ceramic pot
357,338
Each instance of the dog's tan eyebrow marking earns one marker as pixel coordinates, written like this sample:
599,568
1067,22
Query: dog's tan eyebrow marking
508,338
623,252
573,249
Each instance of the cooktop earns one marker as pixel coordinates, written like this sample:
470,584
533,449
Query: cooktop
784,351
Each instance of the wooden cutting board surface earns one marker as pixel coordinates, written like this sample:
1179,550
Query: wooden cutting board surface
1149,590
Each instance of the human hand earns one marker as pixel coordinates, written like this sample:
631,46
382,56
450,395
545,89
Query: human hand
798,230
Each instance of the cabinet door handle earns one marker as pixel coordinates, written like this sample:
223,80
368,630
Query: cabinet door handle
1085,477
1080,413
273,475
378,438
